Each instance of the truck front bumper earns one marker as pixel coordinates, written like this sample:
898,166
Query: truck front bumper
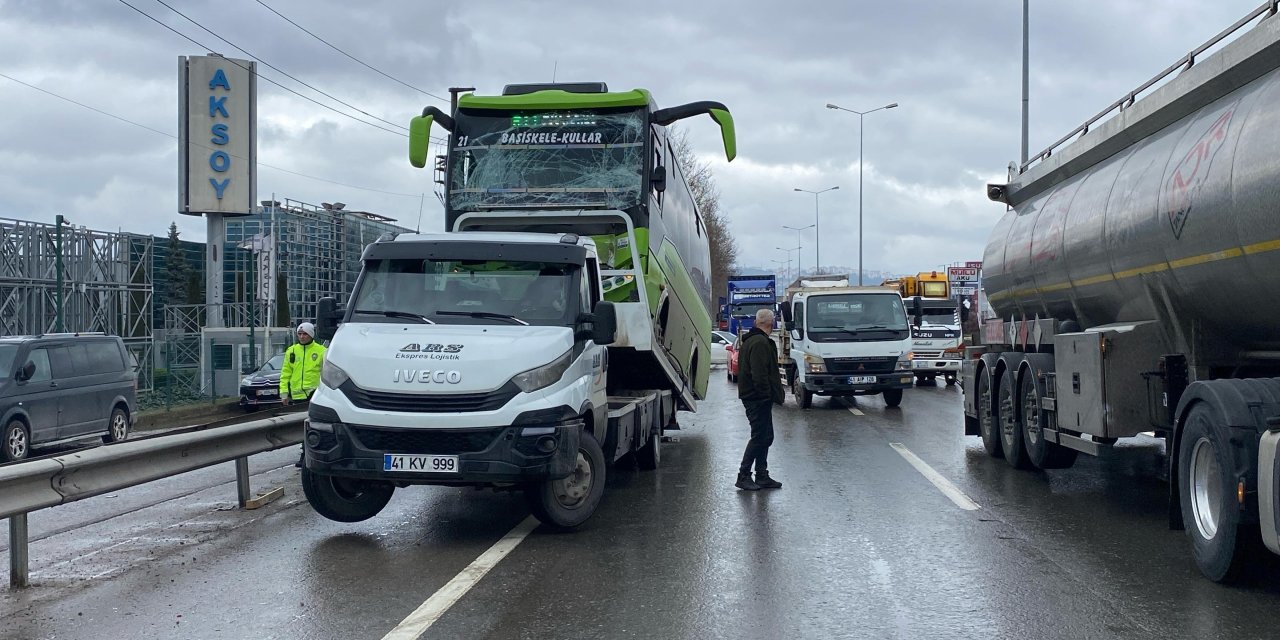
531,451
937,365
830,384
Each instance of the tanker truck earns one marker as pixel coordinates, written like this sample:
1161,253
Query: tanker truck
1136,282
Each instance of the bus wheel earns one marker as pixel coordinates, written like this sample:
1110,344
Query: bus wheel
1011,440
1041,453
568,502
988,416
345,499
1210,510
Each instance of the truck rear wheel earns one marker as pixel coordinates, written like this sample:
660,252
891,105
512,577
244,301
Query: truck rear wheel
1011,440
568,502
1210,511
345,499
988,417
892,397
650,455
1041,453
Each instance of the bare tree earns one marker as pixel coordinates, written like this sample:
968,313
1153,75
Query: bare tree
724,248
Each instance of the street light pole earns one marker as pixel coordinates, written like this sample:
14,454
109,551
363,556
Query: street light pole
799,271
789,250
817,231
860,115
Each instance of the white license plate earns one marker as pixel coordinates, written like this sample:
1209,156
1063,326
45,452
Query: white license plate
419,464
862,379
265,394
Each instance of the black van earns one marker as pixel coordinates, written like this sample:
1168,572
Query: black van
63,387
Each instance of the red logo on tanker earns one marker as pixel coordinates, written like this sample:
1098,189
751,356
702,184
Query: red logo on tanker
1190,173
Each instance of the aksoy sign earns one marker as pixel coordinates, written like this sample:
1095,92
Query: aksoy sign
217,126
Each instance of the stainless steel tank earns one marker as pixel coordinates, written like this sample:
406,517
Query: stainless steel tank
1181,226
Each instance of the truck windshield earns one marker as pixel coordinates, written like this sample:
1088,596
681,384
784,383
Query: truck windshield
857,317
939,316
447,291
588,158
7,353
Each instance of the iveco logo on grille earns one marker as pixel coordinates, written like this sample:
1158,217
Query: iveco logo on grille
426,376
414,347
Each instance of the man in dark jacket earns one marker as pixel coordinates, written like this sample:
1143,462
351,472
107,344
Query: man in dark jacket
759,388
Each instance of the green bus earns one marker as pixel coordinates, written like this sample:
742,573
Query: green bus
579,158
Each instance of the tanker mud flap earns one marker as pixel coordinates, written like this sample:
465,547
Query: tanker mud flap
1269,485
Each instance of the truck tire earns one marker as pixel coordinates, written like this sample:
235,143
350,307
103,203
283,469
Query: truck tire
804,397
892,397
650,455
988,417
345,499
1210,511
951,379
568,502
1040,453
1011,440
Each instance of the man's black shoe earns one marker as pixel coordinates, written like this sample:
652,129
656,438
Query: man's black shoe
765,482
746,483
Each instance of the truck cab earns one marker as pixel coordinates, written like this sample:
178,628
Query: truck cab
464,359
937,343
845,341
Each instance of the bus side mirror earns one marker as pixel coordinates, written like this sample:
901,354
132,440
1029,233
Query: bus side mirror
604,323
659,179
328,317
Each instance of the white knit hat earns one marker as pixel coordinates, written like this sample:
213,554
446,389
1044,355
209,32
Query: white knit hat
308,328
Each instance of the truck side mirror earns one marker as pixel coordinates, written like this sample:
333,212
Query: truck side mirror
604,323
328,317
659,179
917,311
27,371
786,315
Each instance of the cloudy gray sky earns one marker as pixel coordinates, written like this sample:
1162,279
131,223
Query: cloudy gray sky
952,65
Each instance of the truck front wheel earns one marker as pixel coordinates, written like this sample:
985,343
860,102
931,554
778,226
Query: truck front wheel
804,397
892,397
1210,511
345,499
568,502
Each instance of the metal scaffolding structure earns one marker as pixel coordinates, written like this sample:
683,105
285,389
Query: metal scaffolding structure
106,284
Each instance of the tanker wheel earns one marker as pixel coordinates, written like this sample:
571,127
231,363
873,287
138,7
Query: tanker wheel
1210,507
1010,424
1041,453
988,417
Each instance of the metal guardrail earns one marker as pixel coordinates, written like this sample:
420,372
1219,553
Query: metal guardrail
81,474
1268,9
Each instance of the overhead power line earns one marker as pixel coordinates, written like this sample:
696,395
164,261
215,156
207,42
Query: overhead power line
304,97
335,48
170,135
279,70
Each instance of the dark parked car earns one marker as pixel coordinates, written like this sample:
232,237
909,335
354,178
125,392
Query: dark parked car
64,387
262,387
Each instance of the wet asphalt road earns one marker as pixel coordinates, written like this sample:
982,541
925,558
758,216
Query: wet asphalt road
858,544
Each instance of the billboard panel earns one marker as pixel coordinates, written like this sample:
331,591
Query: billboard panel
217,125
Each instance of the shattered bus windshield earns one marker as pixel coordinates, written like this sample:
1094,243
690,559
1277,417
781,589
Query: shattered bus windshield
586,158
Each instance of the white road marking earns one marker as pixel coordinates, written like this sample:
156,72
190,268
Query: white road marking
856,412
430,611
949,490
